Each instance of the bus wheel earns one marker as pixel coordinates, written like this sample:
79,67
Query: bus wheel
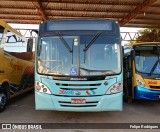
3,101
126,96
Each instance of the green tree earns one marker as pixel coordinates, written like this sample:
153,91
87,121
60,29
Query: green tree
131,43
149,35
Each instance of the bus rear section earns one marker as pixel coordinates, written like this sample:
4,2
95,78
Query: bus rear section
78,66
17,65
142,73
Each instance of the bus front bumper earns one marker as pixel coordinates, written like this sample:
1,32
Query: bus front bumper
93,103
146,94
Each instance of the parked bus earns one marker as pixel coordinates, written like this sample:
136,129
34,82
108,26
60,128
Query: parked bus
142,72
16,68
78,66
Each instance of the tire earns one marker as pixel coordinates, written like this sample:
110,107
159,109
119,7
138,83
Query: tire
3,101
4,96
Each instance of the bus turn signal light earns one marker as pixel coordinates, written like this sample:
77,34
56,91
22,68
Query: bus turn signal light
39,87
140,83
116,88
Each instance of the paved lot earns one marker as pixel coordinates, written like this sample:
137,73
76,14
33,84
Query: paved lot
21,110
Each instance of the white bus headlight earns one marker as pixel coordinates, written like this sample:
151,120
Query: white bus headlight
116,88
140,83
40,87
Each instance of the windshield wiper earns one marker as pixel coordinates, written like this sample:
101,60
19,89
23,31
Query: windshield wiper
64,42
89,44
89,70
156,63
153,68
92,41
158,54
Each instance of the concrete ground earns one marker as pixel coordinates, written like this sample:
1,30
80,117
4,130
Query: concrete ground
22,110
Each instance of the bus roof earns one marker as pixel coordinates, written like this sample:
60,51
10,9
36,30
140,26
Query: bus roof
80,19
145,43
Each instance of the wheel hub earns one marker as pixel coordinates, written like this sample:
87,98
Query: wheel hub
3,99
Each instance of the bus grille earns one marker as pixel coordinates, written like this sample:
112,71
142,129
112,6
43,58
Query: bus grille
62,84
87,104
155,87
78,88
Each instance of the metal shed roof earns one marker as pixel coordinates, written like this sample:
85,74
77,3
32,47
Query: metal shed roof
129,13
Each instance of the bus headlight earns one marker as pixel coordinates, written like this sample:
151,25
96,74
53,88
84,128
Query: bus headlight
116,88
40,87
140,83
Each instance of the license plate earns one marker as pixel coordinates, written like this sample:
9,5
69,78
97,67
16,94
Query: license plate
78,101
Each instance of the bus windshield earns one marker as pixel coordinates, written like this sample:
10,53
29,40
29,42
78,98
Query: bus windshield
147,59
79,54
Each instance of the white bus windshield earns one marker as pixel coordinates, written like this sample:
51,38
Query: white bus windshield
80,55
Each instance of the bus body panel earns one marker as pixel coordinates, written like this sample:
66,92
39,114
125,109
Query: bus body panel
146,94
150,92
18,73
152,84
99,98
98,103
85,90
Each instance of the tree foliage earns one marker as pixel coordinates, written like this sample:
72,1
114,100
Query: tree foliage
149,35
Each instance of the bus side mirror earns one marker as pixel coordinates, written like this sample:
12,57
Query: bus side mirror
29,45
